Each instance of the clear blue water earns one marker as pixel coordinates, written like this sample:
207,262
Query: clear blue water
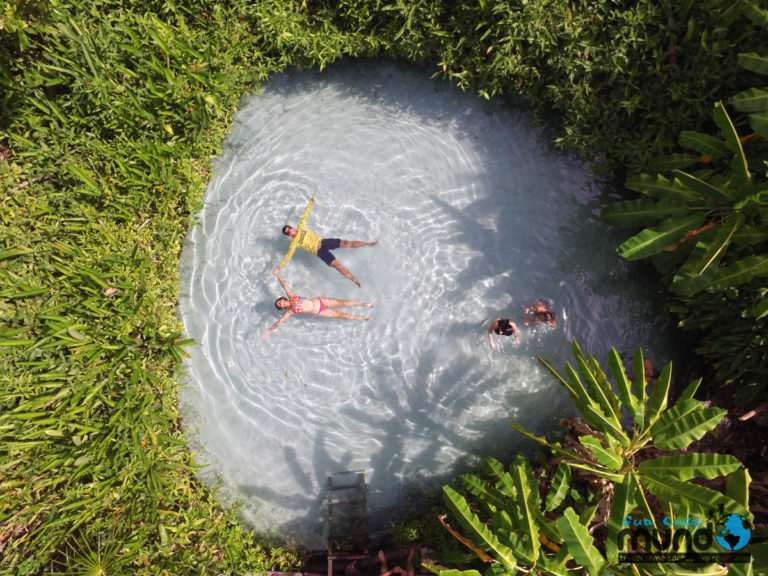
476,217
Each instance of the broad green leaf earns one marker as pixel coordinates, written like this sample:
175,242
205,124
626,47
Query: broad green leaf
750,235
672,162
697,499
641,212
754,62
458,573
684,423
711,192
603,455
704,144
737,486
741,569
601,397
612,476
580,544
485,493
622,382
505,484
689,391
657,186
659,396
687,466
740,272
527,525
751,100
758,121
639,386
561,483
702,265
666,235
757,194
761,310
622,504
577,392
740,170
470,521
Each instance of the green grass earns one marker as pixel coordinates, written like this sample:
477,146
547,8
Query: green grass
109,113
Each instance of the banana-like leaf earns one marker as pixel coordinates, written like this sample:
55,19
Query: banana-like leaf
740,170
709,191
653,240
687,466
659,396
740,272
657,186
758,121
556,448
757,194
690,390
600,396
702,265
704,144
471,522
641,212
623,503
622,382
604,456
684,423
485,493
458,573
761,310
737,486
561,484
612,476
527,525
672,162
742,569
578,393
698,499
638,385
505,484
751,100
580,544
754,62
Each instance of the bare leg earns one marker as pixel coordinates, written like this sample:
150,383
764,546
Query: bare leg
384,570
330,313
356,244
335,302
340,267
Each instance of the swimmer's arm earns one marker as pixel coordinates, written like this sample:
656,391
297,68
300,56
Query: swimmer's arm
291,250
276,324
276,272
517,334
491,328
303,220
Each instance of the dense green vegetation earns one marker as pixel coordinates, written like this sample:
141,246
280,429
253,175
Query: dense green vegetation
109,111
642,475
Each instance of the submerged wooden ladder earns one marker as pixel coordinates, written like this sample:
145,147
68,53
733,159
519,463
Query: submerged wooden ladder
348,535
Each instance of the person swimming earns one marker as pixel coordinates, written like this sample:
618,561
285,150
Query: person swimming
503,327
322,306
302,237
540,312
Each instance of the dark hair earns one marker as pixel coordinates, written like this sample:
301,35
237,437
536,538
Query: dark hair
285,229
278,300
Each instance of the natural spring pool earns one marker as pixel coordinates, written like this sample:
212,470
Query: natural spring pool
476,217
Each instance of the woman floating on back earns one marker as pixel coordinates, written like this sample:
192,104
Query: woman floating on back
322,306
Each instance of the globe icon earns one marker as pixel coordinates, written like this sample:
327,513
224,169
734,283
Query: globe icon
733,532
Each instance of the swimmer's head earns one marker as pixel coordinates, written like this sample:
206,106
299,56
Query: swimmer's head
282,303
289,231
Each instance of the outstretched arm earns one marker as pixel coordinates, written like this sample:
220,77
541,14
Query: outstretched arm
276,324
517,334
276,272
301,224
491,328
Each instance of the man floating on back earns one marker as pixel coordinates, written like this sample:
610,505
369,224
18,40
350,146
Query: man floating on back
302,237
